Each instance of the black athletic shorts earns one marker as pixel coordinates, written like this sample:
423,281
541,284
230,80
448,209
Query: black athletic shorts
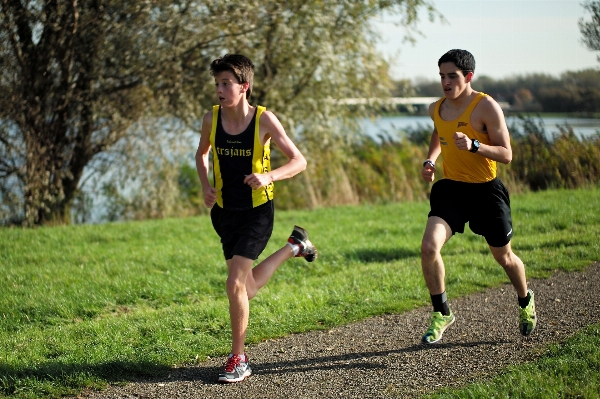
486,206
246,232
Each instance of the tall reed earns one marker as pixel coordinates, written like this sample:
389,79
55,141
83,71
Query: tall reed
381,170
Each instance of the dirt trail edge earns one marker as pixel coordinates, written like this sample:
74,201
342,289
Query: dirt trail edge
381,357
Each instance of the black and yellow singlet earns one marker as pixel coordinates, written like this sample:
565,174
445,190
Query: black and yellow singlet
235,157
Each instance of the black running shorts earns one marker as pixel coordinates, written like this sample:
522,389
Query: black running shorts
246,232
486,206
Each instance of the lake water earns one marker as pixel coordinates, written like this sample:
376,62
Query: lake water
392,126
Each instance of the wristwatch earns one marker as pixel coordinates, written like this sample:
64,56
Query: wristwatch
474,145
429,162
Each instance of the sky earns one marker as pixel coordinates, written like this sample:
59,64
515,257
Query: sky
507,38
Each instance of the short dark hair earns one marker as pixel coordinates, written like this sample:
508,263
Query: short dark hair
241,67
461,58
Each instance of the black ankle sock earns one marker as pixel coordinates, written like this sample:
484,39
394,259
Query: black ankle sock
523,302
440,303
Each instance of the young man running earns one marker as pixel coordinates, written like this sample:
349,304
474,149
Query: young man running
471,135
242,197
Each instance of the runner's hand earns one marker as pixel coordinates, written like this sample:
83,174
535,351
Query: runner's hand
210,197
462,141
428,172
258,180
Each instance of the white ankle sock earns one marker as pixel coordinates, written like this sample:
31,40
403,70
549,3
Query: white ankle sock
295,248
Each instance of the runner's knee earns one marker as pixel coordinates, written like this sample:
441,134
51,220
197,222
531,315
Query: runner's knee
235,286
429,249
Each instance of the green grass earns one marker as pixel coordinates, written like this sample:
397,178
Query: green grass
83,306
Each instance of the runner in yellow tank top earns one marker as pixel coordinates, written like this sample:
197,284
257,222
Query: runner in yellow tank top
459,165
471,135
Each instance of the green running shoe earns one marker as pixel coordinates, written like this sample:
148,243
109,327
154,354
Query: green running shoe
439,323
527,317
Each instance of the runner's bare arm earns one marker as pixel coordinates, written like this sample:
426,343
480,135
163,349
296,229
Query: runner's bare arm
428,172
489,115
271,128
210,193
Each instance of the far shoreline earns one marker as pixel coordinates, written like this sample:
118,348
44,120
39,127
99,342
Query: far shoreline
508,113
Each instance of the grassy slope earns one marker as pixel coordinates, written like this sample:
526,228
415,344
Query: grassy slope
86,305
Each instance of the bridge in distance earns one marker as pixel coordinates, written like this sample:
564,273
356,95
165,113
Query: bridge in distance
411,103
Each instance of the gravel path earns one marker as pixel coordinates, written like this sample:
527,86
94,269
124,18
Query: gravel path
381,357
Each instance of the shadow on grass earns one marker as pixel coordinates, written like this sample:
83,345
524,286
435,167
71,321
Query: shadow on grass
75,376
382,255
552,244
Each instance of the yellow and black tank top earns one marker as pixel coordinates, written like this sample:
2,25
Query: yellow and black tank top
235,157
458,164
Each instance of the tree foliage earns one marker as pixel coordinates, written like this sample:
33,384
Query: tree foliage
590,30
77,76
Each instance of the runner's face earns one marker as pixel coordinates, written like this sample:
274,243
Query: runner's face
229,91
454,83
